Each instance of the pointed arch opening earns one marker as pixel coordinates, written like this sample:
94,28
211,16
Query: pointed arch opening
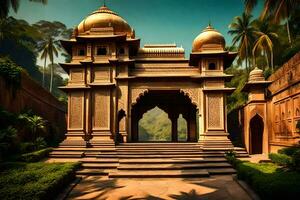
256,135
163,116
155,126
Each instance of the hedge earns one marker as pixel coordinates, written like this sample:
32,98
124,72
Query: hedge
269,180
289,150
35,181
281,159
36,155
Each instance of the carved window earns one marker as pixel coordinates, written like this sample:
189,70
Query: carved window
121,51
212,66
101,51
81,52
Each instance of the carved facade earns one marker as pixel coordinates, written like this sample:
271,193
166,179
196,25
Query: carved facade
274,104
113,81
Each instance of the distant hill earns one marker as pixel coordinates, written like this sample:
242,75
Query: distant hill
156,126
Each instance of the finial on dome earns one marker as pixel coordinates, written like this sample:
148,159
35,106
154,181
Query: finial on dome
256,75
104,3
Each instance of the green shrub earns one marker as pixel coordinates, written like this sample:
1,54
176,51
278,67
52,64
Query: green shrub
7,141
269,180
289,150
231,157
26,147
40,143
36,155
11,72
281,159
36,181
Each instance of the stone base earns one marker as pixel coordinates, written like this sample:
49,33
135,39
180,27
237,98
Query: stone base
215,140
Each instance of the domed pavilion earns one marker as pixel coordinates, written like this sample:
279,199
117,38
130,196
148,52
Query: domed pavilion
113,81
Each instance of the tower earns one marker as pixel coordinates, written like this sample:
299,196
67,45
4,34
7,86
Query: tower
211,58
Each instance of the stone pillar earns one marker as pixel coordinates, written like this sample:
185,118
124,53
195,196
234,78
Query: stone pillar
174,117
192,126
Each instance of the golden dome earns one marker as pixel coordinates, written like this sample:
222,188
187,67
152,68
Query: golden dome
105,18
256,75
209,40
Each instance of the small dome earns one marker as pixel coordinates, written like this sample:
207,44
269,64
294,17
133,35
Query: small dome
209,40
105,18
256,75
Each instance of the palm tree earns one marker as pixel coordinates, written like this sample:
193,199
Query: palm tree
243,32
279,10
44,56
264,42
5,5
49,50
249,5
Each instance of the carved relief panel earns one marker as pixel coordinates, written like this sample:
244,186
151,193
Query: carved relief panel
215,111
102,74
76,111
101,109
277,118
136,93
77,76
193,94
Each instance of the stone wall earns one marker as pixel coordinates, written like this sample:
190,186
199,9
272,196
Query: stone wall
284,105
34,97
276,107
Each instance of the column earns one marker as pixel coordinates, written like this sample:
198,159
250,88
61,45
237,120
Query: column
174,117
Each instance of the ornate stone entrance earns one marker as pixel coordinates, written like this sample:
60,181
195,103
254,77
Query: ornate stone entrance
113,81
174,103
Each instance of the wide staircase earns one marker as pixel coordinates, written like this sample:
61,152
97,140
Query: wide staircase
147,160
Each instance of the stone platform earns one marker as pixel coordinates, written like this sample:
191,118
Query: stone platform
146,160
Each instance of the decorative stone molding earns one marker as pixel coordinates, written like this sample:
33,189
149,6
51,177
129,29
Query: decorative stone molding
193,94
136,93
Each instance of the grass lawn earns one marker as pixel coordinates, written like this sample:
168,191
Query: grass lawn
34,180
269,180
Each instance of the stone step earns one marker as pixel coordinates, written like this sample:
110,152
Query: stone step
173,166
66,154
159,156
96,160
158,153
216,149
221,171
159,173
92,172
157,143
171,161
158,149
100,165
83,149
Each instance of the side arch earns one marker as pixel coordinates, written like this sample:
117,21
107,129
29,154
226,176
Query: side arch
256,126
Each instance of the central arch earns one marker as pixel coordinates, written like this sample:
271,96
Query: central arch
174,103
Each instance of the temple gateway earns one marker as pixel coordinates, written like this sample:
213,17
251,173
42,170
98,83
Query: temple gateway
114,81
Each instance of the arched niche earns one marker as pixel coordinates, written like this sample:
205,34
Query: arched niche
256,134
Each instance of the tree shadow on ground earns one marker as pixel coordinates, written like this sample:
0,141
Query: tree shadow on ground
99,188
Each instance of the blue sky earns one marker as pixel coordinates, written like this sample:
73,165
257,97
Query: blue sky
154,21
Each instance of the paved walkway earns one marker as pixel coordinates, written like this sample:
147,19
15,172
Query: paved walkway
256,158
216,187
